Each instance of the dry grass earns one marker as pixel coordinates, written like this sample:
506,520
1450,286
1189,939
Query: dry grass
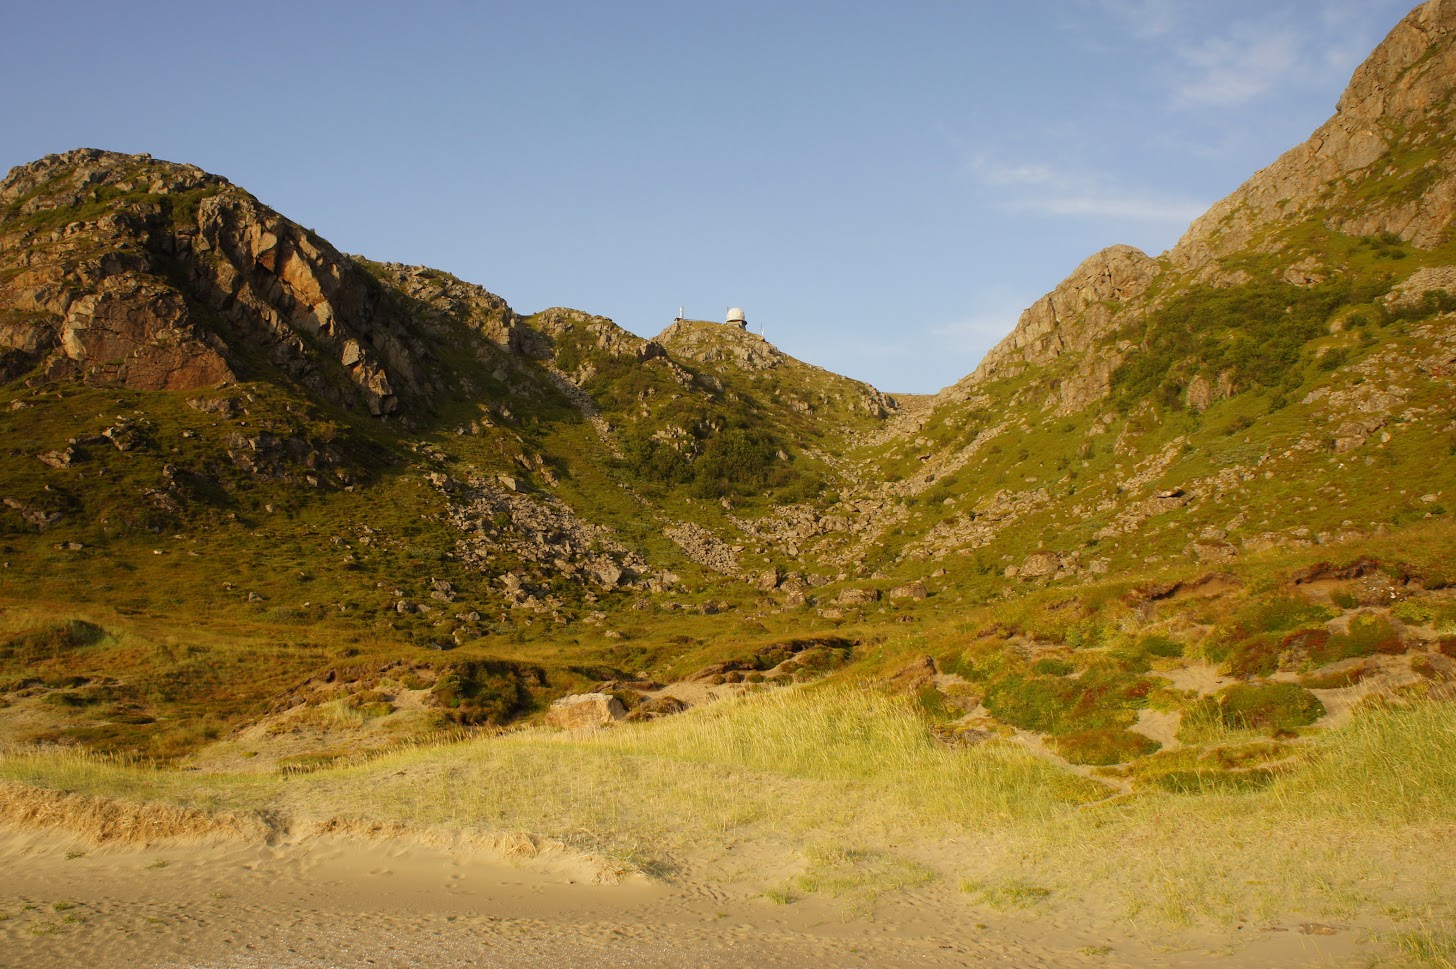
784,765
1360,827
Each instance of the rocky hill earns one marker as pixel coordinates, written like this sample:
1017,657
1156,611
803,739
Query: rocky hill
405,497
1302,319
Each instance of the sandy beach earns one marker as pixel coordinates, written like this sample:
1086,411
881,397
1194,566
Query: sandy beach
332,901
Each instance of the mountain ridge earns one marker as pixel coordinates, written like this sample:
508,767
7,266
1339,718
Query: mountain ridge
393,460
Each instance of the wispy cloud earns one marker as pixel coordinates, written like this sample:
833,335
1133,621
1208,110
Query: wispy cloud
981,329
1238,67
1127,208
1145,18
1038,187
1230,54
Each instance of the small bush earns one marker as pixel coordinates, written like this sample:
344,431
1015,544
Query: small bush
1282,614
1367,636
1052,666
1413,612
1275,707
1105,746
50,641
482,691
1259,655
1061,705
1161,646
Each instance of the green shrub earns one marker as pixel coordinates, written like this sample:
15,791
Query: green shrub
50,641
1256,332
1335,679
1367,636
1052,666
1258,655
1060,705
1104,746
1275,707
1282,613
1414,612
482,691
1161,646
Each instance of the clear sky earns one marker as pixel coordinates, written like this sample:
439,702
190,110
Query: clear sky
882,186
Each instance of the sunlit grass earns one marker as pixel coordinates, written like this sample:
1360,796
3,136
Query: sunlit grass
858,801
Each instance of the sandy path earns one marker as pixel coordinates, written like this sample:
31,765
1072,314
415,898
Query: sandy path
337,903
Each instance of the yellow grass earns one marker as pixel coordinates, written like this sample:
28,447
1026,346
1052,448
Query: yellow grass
854,799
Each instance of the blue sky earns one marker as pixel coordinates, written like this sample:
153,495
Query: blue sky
883,187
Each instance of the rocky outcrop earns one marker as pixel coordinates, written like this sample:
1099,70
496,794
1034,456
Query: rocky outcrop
715,343
720,350
561,328
1380,165
703,547
128,271
539,530
442,296
1080,311
1397,103
1430,279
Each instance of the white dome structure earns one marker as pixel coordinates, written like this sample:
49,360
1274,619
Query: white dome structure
736,317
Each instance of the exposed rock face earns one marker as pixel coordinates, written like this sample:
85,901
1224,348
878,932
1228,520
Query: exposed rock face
1397,101
133,272
1073,315
540,530
1429,279
560,325
911,590
448,298
711,343
703,547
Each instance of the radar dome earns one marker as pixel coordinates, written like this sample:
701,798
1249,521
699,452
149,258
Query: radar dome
735,315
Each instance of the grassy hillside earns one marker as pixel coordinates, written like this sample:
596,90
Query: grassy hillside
1172,578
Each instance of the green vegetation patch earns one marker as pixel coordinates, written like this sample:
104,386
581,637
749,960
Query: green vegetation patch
1099,698
486,691
1223,768
1010,894
1258,641
1214,781
1271,707
1104,746
1367,635
50,641
1256,332
1336,679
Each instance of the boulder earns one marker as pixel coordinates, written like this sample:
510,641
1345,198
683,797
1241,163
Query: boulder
910,590
918,674
658,706
585,711
1039,565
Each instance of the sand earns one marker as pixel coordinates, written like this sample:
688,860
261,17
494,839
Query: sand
349,901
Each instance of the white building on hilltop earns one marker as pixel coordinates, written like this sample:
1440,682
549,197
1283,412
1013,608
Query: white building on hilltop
736,318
